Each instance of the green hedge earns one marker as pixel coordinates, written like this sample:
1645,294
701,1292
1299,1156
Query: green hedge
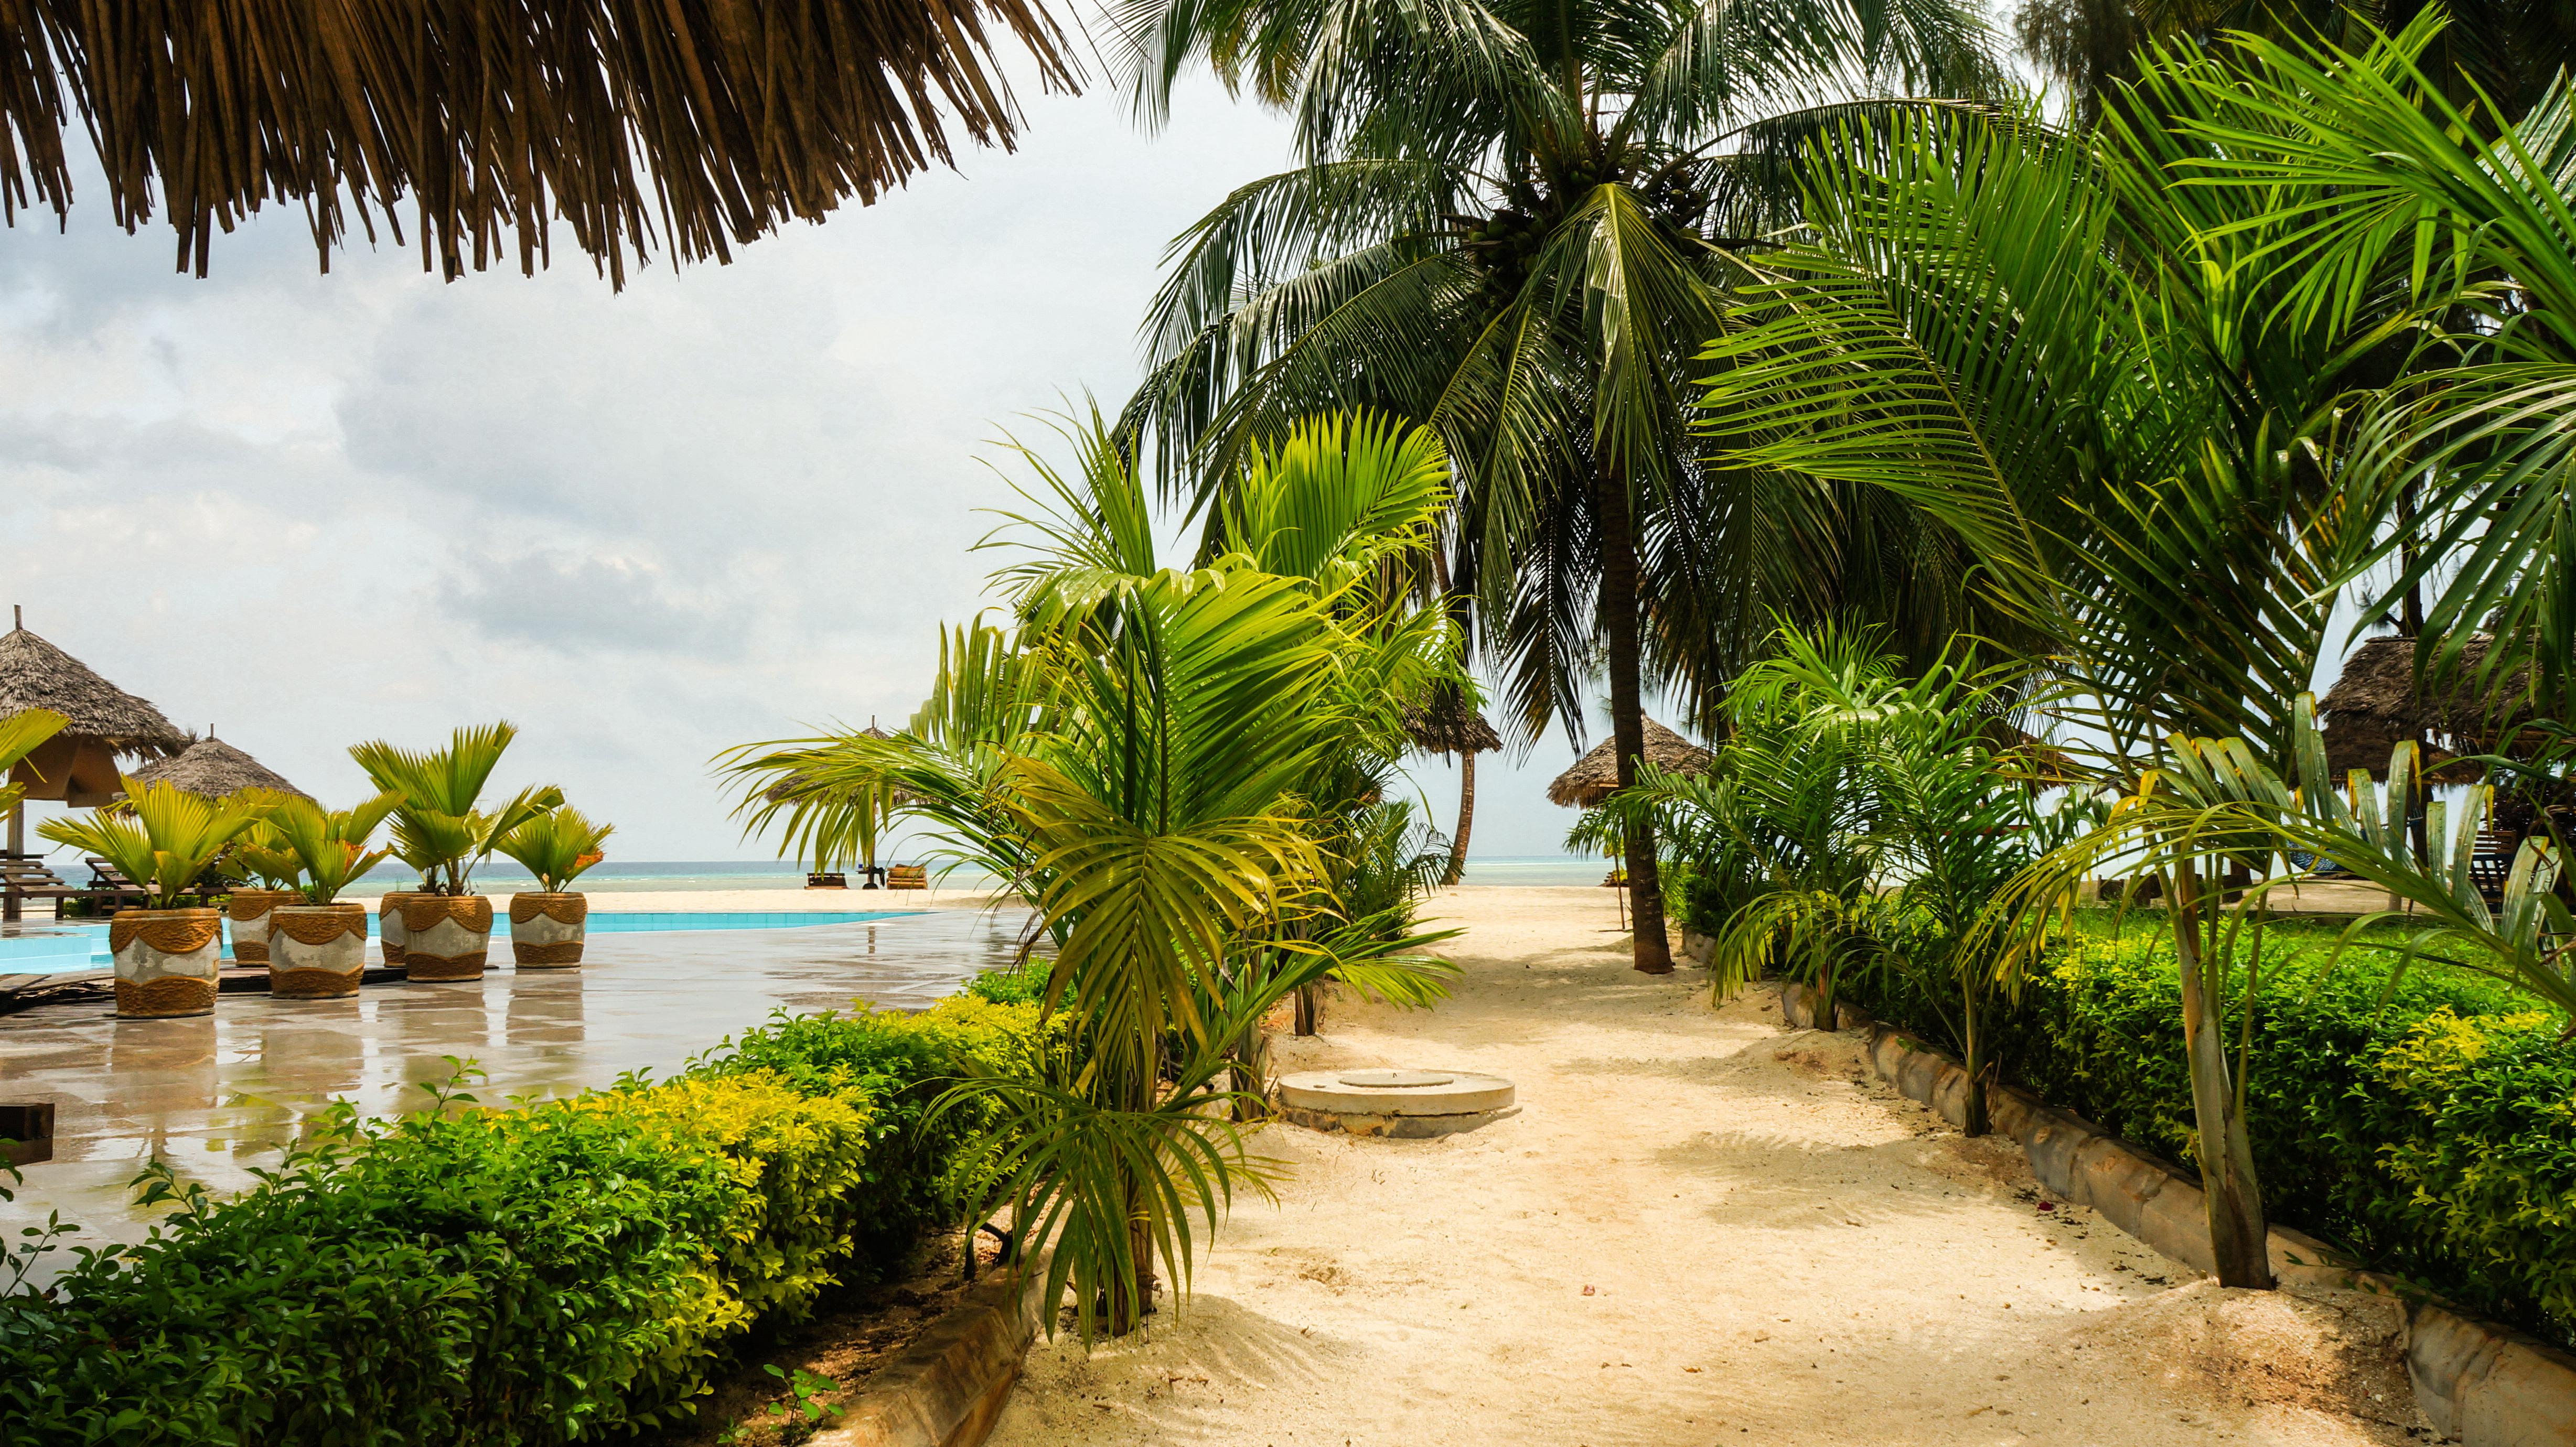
2431,1129
555,1273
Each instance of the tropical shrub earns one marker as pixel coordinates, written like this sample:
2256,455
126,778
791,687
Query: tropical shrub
2427,1124
555,1273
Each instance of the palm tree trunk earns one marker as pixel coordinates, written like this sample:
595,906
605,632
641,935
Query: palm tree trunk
1466,817
1652,952
2238,1235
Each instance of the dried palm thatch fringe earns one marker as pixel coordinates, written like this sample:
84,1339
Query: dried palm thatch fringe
1596,775
36,674
211,768
495,117
1449,725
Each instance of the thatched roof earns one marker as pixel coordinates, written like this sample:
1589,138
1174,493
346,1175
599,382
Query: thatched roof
1450,725
36,674
2374,706
212,768
798,780
484,121
1596,774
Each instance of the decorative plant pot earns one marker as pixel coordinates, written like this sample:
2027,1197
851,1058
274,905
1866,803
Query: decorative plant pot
166,961
317,951
546,930
248,909
446,937
389,926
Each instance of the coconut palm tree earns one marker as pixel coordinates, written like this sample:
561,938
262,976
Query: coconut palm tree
1514,224
1166,763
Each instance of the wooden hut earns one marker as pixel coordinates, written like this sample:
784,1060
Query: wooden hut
2376,704
1449,724
211,769
78,765
1596,774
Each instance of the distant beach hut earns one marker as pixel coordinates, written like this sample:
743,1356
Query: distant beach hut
1596,774
1450,725
2376,705
211,769
78,765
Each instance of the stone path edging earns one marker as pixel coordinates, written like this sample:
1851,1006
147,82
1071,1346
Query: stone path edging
948,1387
2483,1384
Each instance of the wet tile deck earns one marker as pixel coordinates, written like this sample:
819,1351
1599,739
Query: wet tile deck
218,1095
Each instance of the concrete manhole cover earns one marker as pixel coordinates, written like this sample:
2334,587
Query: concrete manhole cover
1394,1102
1396,1079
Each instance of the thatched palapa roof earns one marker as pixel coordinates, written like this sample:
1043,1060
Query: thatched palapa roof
211,768
1450,725
2374,706
484,121
36,674
797,781
1596,774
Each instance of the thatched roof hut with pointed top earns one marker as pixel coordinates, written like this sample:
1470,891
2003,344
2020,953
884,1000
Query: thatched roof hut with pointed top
2375,705
1596,775
1450,725
211,769
77,765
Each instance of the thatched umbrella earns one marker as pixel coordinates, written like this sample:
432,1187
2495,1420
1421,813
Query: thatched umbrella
211,768
488,120
1596,774
77,765
1450,725
2376,705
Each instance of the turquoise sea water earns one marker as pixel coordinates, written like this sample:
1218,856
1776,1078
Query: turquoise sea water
641,876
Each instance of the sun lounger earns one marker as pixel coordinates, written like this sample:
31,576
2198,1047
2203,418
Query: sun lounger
908,876
25,876
827,880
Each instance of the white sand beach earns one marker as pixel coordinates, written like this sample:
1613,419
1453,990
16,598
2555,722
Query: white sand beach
1700,1228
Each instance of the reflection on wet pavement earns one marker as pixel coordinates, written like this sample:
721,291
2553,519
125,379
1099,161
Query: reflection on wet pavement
220,1095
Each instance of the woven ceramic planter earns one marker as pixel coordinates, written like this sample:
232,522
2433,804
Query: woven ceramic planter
317,951
248,909
166,961
546,930
446,937
389,926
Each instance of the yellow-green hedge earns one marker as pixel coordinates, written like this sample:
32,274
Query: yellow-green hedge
555,1273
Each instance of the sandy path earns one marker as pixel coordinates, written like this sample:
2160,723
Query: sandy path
1700,1228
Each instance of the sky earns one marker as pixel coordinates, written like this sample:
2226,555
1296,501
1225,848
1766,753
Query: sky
729,504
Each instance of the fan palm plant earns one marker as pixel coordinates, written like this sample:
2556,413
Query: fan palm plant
556,846
437,828
1514,225
164,839
329,846
20,733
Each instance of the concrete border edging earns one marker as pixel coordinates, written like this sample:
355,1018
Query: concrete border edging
2484,1384
948,1387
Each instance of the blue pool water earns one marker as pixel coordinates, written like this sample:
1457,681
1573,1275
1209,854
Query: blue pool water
46,948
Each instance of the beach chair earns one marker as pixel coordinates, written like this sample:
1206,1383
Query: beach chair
2491,864
109,887
908,876
827,879
25,876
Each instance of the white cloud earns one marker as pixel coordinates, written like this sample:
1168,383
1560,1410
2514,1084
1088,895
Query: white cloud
723,505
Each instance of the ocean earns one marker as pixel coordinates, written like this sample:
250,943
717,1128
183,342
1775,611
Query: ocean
617,876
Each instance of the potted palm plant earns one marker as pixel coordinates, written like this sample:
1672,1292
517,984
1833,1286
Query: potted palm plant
547,925
277,875
447,928
390,931
318,945
167,958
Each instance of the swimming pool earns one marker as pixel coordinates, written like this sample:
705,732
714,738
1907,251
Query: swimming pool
44,947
